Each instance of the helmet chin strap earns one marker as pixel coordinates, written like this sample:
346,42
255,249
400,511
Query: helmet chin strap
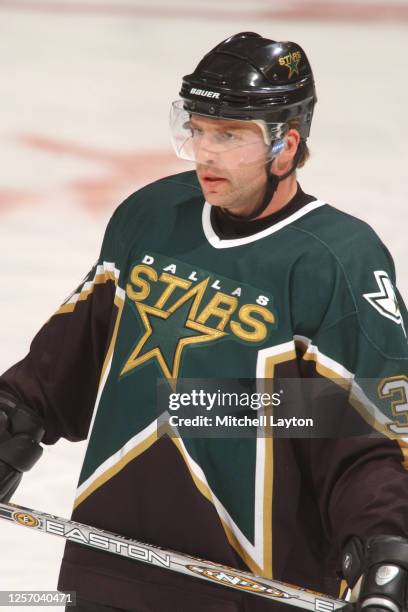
272,183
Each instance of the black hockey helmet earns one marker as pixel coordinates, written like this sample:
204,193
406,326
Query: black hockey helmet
250,77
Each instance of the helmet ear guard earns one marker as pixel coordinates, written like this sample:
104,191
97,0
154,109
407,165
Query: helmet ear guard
278,146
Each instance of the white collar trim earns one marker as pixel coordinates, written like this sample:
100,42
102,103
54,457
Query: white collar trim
223,243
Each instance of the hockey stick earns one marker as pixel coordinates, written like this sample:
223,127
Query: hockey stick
168,559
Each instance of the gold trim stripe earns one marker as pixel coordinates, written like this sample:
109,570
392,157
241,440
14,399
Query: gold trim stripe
119,302
270,365
342,589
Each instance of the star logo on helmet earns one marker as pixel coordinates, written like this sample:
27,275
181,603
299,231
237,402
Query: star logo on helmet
291,61
293,66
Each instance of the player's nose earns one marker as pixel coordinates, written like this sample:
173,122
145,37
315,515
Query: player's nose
206,154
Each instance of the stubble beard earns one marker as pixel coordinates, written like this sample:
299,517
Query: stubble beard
239,200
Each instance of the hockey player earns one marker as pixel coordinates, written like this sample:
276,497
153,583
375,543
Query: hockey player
228,272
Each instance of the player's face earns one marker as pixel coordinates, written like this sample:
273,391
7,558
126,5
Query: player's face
230,162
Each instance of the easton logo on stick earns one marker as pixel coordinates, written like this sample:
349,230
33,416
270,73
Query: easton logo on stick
27,520
81,534
234,580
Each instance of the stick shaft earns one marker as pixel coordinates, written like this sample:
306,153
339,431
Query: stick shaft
168,559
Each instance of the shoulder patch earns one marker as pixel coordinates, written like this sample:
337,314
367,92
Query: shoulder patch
385,300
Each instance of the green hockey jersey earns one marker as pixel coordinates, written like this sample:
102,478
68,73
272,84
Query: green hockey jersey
312,295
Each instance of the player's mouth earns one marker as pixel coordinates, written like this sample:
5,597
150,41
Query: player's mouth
212,180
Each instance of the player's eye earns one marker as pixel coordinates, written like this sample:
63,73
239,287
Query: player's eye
187,125
194,130
229,136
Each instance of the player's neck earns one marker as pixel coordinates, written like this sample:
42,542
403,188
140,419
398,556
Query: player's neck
283,195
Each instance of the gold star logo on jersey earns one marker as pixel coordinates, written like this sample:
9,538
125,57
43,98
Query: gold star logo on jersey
201,314
166,335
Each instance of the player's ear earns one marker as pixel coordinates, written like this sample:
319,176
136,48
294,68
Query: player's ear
285,159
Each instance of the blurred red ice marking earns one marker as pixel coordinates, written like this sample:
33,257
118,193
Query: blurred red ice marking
119,173
10,198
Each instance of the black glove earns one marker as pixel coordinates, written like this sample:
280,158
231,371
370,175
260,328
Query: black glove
21,431
377,573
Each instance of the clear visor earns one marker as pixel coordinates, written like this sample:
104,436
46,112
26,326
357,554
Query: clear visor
227,143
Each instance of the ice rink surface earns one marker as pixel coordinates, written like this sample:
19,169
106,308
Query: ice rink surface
85,94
